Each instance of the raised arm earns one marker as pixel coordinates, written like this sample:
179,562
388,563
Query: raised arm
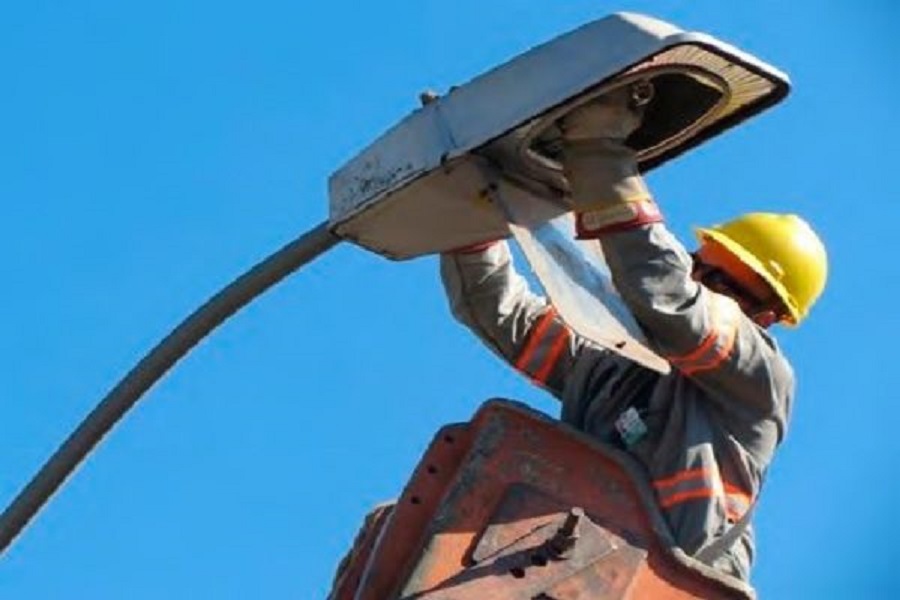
488,296
704,335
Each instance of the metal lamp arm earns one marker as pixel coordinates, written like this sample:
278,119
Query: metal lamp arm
152,367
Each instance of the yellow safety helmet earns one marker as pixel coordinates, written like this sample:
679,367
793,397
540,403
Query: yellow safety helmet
783,249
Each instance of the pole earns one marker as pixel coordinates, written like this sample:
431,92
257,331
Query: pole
152,367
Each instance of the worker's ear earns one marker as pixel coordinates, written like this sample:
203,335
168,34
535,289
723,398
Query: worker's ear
765,319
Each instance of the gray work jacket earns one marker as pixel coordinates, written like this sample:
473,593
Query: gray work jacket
712,424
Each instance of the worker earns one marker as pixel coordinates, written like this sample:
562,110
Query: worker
707,430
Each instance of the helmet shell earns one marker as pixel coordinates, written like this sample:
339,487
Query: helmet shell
783,250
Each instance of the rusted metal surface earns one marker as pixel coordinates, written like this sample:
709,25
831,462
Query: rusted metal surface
349,572
518,506
400,540
531,545
611,577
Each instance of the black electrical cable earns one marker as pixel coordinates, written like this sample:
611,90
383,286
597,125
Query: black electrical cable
152,367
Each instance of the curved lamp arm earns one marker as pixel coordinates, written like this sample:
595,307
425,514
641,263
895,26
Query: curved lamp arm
152,367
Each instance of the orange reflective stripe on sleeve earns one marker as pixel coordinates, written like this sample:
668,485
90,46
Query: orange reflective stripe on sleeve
718,344
534,338
559,344
545,344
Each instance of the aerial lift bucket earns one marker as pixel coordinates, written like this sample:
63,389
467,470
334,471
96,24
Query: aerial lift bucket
515,506
480,163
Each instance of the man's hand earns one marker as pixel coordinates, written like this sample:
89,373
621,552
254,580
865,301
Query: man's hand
613,116
607,190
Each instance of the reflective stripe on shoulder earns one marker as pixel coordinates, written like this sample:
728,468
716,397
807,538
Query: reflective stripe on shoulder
703,483
546,342
717,345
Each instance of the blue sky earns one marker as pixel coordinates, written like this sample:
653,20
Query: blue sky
153,151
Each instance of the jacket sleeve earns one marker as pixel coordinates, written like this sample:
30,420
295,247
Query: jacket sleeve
704,335
487,295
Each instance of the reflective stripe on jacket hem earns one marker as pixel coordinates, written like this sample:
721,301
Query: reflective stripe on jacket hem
702,483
